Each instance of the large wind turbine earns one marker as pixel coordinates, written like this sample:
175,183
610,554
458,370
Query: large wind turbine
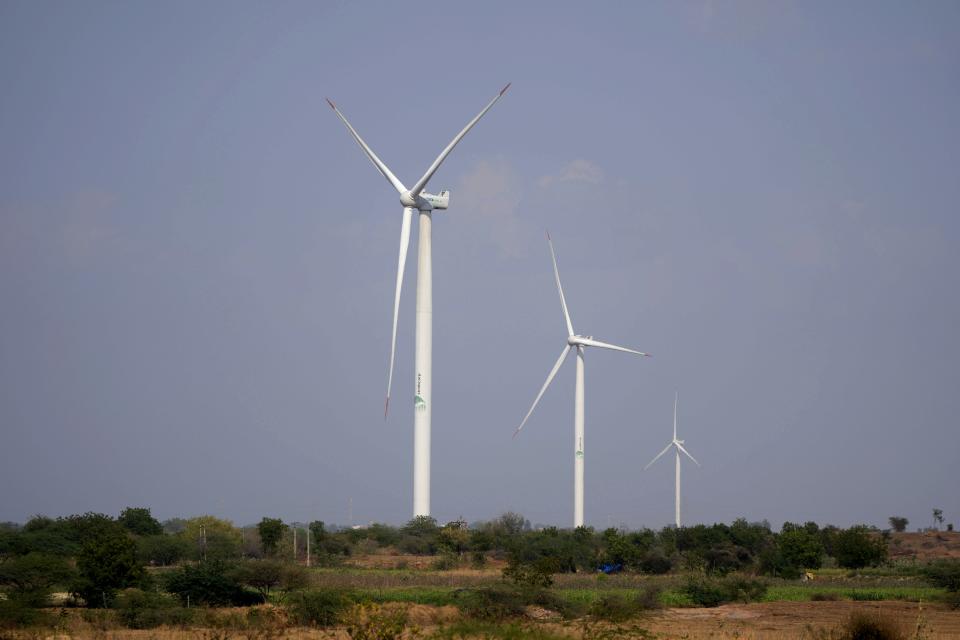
416,199
678,447
578,341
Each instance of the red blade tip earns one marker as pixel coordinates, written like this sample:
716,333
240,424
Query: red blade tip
332,106
504,90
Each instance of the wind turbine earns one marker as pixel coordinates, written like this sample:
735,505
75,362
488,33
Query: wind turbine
416,199
578,341
678,447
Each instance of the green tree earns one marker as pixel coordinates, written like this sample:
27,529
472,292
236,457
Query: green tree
271,531
138,520
107,562
162,550
30,578
857,547
209,583
801,548
210,538
265,575
898,523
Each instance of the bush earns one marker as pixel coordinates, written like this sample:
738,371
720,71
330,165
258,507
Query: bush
655,562
376,622
209,583
535,574
31,577
944,574
711,593
16,615
137,609
323,608
864,626
825,596
614,607
445,562
492,603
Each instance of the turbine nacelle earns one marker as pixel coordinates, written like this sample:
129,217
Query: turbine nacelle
425,201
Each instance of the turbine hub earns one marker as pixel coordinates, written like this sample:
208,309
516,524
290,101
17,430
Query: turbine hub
407,199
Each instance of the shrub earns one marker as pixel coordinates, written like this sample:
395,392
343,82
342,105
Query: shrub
535,574
492,603
16,615
376,622
711,593
614,607
655,562
825,596
322,608
445,562
137,609
209,583
863,626
31,577
944,574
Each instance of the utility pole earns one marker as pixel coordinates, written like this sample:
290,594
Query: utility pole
350,511
294,541
308,544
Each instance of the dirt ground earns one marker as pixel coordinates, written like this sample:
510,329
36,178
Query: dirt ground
773,621
798,619
926,546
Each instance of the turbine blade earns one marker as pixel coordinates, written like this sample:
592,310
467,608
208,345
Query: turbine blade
556,274
401,263
422,182
676,399
553,372
377,162
590,342
658,456
680,446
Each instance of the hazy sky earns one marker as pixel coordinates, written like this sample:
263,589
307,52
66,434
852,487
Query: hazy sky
197,263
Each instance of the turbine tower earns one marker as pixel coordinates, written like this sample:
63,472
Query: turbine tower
416,199
578,341
678,447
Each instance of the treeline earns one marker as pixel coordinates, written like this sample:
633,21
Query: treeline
135,539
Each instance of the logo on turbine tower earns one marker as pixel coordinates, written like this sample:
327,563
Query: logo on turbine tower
418,402
579,453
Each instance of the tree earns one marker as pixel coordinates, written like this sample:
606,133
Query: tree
162,550
801,548
210,538
855,548
938,517
271,531
209,583
139,521
107,562
898,523
264,575
31,577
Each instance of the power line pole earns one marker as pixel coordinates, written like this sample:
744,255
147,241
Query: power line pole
294,542
308,544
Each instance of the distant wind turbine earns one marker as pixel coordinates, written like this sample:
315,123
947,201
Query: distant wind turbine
678,447
578,341
416,199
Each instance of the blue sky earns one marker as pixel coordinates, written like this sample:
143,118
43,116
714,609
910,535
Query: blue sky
197,263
